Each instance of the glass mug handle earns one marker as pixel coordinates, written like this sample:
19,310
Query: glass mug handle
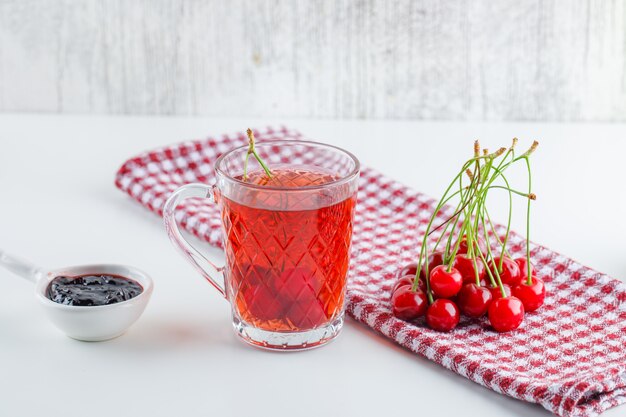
214,274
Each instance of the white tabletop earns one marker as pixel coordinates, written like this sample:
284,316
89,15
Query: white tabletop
58,207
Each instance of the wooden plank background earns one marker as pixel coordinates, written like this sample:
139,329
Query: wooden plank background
453,59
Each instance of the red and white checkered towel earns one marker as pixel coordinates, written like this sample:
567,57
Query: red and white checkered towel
569,356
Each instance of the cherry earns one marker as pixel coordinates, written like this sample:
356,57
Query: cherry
404,281
465,266
533,295
496,293
506,314
474,300
442,315
408,280
463,245
407,304
510,273
409,269
434,259
444,283
522,263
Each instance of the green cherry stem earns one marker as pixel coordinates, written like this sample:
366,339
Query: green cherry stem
473,238
471,208
426,261
499,173
529,279
481,210
456,213
493,231
423,249
462,204
508,223
481,214
472,233
494,281
252,151
445,229
467,210
423,256
520,193
469,195
471,214
486,234
417,278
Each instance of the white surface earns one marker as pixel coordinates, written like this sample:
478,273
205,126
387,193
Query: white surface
417,59
58,206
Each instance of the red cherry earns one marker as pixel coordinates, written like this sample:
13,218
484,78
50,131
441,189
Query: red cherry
533,295
404,281
506,314
409,269
463,245
434,260
496,293
510,273
442,315
465,266
474,300
444,283
407,281
523,268
407,304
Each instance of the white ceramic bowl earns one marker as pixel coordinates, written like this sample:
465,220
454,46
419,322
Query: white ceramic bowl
94,323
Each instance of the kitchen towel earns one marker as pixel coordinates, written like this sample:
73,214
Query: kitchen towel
569,356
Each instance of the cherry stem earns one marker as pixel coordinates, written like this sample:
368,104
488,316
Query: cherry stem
508,224
493,231
529,279
485,232
424,248
472,206
467,209
445,229
530,196
497,281
432,219
417,274
472,233
252,151
481,212
459,210
499,173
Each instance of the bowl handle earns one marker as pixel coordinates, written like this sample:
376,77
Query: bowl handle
20,267
213,273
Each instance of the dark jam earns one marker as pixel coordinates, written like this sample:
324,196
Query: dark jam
92,290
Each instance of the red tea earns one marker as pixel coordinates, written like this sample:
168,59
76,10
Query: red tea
287,254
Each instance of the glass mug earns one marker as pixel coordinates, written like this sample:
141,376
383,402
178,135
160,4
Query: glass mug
286,238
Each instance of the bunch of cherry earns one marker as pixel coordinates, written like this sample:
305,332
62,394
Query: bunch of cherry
466,276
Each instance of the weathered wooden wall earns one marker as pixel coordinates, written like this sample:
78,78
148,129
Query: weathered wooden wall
453,59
